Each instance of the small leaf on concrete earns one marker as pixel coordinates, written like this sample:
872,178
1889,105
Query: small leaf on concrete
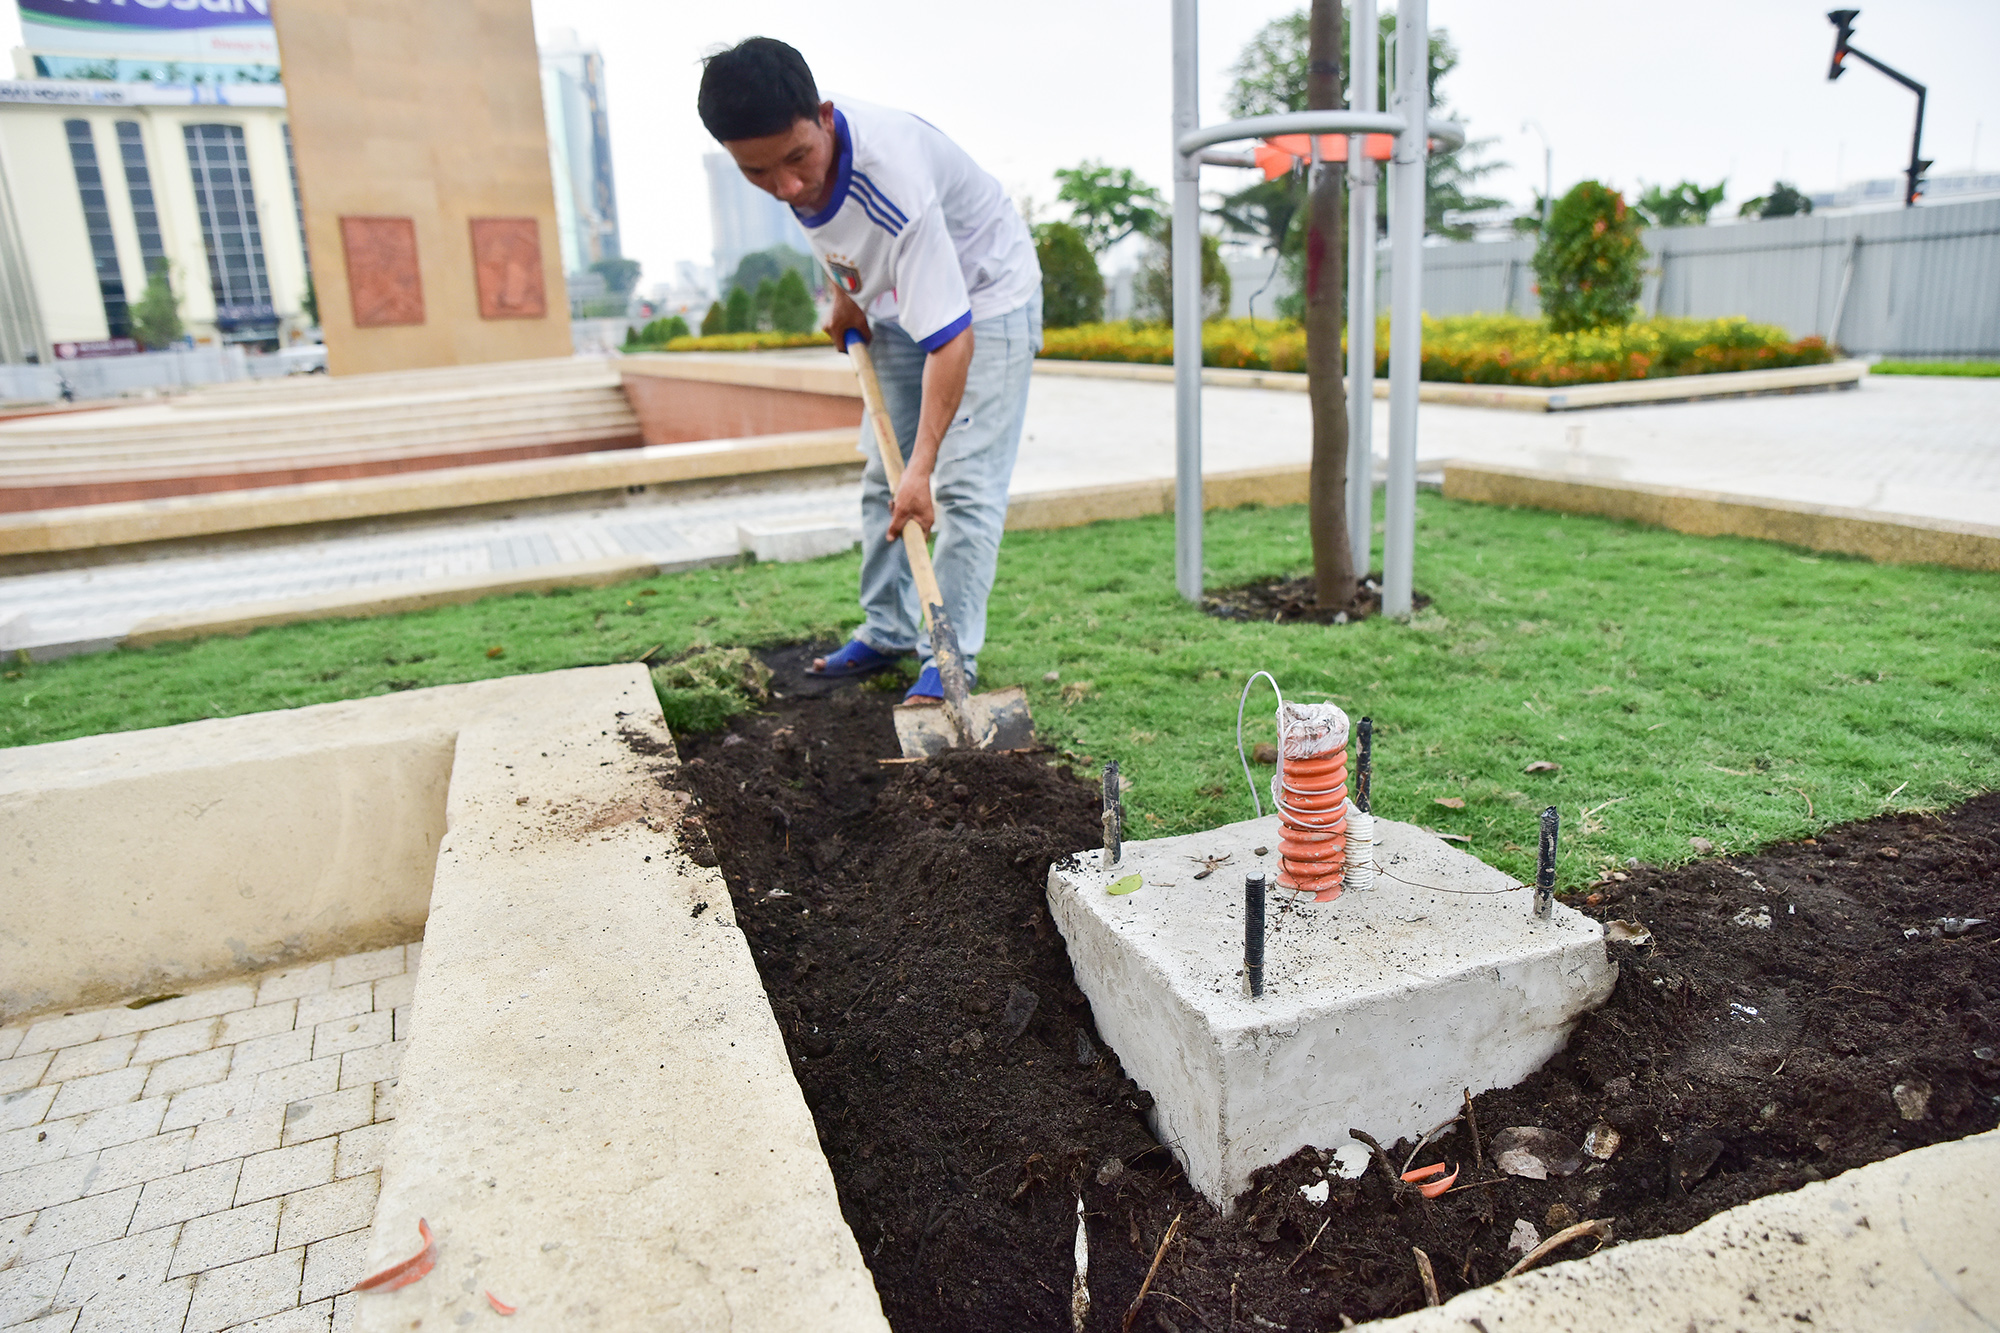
1124,885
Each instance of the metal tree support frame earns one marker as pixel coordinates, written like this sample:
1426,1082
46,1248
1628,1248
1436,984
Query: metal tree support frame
1409,120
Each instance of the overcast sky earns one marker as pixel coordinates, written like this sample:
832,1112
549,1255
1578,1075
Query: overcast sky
1626,92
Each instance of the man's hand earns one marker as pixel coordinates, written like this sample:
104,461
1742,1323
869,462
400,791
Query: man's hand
846,315
912,501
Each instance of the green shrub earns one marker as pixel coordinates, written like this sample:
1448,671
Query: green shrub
1590,262
792,309
739,316
705,688
656,334
1153,289
716,321
1072,287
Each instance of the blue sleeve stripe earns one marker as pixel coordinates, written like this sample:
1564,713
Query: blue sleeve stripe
947,333
876,191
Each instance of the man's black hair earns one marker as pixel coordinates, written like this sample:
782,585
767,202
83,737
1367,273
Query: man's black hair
758,87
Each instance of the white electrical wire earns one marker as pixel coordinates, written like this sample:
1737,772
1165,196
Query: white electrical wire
1360,871
1256,803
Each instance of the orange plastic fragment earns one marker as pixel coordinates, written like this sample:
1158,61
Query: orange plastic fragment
397,1276
1434,1188
498,1305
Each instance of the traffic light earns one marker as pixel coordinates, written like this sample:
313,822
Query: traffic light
1842,19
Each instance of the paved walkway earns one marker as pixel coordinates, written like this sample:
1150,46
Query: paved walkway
208,1162
1898,445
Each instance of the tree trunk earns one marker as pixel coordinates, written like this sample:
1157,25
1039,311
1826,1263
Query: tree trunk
1326,252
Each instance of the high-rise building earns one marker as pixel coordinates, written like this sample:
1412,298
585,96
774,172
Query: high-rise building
573,102
743,218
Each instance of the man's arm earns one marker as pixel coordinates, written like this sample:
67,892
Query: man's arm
944,390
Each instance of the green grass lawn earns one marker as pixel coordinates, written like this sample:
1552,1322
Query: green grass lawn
1728,689
1972,369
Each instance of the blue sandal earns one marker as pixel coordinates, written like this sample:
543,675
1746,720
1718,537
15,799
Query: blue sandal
930,685
854,660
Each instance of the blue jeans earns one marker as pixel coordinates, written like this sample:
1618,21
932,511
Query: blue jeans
969,484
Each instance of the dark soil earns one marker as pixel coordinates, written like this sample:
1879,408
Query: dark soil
1296,602
964,1100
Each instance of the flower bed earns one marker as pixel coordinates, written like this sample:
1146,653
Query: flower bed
1477,349
740,342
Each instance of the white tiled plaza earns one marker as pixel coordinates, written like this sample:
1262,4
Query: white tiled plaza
205,1162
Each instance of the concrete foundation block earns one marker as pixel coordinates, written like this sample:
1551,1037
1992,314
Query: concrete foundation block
1378,1008
797,541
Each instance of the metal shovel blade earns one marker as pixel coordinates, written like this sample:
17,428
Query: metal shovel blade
997,720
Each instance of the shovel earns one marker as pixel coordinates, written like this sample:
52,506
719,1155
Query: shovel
997,720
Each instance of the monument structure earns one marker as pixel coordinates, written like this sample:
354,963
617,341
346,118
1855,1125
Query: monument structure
423,166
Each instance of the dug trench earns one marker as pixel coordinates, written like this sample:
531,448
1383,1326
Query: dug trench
1797,1012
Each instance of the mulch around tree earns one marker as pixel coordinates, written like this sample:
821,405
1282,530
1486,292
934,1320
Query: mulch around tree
1799,1012
1295,601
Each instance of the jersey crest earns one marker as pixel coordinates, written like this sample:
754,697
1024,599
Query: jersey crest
845,273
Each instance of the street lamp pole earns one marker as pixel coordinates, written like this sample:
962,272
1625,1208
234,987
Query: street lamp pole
1548,169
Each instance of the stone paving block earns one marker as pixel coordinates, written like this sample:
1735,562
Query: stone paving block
257,1130
210,1102
97,1057
161,1309
305,1319
343,1003
29,1291
330,1210
352,1034
24,1071
71,1226
294,982
402,1022
245,1291
227,1238
362,1149
26,1107
69,1030
188,1071
328,1114
368,966
181,1009
262,1054
137,1163
281,1087
343,1312
10,1040
13,1230
195,1193
385,1100
84,1095
372,1064
125,1264
334,1265
35,1145
118,1124
62,1321
413,957
391,992
269,1174
180,1039
41,1186
265,1020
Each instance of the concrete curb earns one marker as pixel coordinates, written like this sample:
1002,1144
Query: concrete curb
1888,538
1523,398
134,521
1895,1244
358,603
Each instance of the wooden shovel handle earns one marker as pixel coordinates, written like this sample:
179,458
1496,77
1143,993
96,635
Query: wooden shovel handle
892,465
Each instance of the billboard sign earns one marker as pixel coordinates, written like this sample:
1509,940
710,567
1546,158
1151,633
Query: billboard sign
237,31
83,351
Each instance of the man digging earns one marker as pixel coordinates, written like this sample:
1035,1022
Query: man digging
915,235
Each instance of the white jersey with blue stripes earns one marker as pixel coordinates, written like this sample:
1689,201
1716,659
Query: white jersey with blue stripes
915,231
